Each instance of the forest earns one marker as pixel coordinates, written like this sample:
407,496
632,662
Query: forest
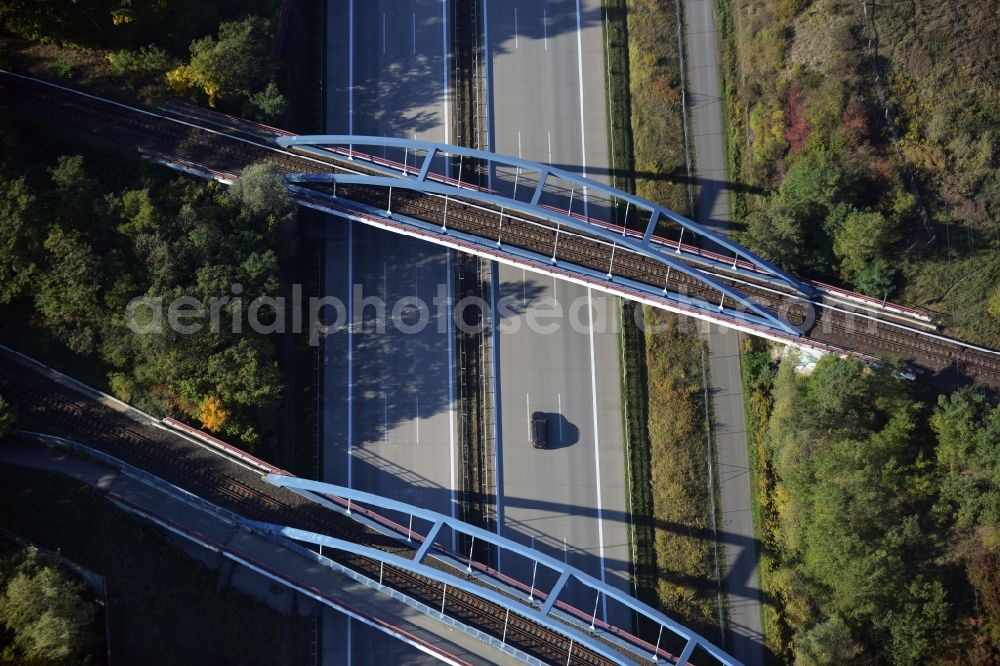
879,515
866,135
83,236
220,54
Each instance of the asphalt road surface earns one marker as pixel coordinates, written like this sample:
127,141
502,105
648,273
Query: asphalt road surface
388,373
712,209
388,68
388,412
548,105
388,417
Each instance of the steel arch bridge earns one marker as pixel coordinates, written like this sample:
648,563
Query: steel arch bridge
541,604
552,193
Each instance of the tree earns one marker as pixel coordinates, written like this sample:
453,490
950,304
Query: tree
915,621
75,192
261,191
44,609
984,574
7,418
269,102
837,388
767,123
860,244
791,227
968,453
993,306
827,643
234,65
18,238
212,415
68,292
778,234
139,213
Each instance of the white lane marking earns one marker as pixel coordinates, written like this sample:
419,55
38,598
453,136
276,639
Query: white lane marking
451,392
515,27
487,61
414,21
583,131
350,68
597,448
383,33
527,412
416,420
524,288
565,551
385,417
444,70
559,416
545,27
519,143
549,135
350,346
555,289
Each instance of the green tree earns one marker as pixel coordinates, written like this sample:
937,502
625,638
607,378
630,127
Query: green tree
19,243
44,609
776,232
75,191
993,306
827,643
261,191
968,454
860,245
836,389
234,65
68,292
915,621
7,418
984,574
792,226
139,213
767,124
269,103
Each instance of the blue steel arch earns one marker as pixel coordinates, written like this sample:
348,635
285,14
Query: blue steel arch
423,180
320,492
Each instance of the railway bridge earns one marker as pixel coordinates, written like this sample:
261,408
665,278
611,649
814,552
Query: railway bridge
400,553
536,216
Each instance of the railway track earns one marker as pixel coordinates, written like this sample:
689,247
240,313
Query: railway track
225,144
49,406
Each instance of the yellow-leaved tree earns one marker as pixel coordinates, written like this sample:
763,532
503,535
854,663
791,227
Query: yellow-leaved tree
213,415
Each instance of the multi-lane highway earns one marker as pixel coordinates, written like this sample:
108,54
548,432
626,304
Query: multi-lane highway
388,394
546,78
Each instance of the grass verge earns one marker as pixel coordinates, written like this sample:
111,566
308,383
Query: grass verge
662,394
635,420
679,471
619,99
656,103
164,608
733,127
758,377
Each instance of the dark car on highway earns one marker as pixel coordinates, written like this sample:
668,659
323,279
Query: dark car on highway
539,430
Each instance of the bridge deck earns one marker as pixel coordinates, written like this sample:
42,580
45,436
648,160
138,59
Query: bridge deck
842,322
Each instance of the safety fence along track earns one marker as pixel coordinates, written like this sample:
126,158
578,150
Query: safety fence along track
238,488
220,146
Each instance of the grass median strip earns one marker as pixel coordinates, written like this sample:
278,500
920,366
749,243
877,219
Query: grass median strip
662,393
